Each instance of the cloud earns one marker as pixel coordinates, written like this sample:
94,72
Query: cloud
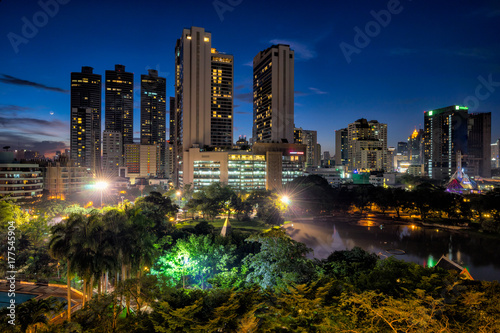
12,110
32,126
302,51
31,121
316,91
239,87
245,97
14,80
312,91
242,112
249,64
45,147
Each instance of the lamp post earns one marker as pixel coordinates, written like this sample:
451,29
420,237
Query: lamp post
123,197
178,194
101,186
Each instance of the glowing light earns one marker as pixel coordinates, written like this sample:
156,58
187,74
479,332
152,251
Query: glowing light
101,185
285,199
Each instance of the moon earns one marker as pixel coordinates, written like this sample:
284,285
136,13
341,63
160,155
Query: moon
51,113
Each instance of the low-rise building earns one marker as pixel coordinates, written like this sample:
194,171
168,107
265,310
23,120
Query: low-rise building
19,180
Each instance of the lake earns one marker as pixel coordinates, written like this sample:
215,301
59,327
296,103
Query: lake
421,245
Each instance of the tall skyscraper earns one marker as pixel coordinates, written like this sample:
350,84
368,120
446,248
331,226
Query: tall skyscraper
341,147
171,138
415,147
86,94
273,95
192,95
313,151
478,158
120,102
153,113
203,104
221,100
367,142
445,134
82,143
119,106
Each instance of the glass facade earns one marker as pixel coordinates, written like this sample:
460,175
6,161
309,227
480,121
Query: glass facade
205,173
247,172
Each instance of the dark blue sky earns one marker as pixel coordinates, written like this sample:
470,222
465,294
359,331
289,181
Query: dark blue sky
430,55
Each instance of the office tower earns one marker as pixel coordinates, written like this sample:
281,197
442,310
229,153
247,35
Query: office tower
82,138
141,160
86,93
297,135
192,95
367,142
445,134
478,158
415,147
119,103
153,113
221,89
310,139
273,95
112,152
171,136
341,147
495,154
317,155
325,162
391,159
403,148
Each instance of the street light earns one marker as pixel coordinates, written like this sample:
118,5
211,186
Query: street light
285,199
178,194
100,185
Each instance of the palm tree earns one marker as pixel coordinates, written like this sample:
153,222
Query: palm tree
34,312
62,246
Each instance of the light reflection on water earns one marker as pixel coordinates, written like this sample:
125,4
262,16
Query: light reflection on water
424,246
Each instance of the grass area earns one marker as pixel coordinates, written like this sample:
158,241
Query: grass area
253,225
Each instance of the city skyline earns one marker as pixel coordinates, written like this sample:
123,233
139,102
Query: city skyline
405,68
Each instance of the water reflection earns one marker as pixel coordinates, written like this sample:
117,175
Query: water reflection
480,255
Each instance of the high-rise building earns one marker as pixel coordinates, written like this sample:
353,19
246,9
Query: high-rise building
171,139
310,139
141,160
445,134
478,158
119,103
193,77
297,135
415,147
221,89
273,95
153,113
367,141
341,147
112,152
402,148
82,138
495,154
86,94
